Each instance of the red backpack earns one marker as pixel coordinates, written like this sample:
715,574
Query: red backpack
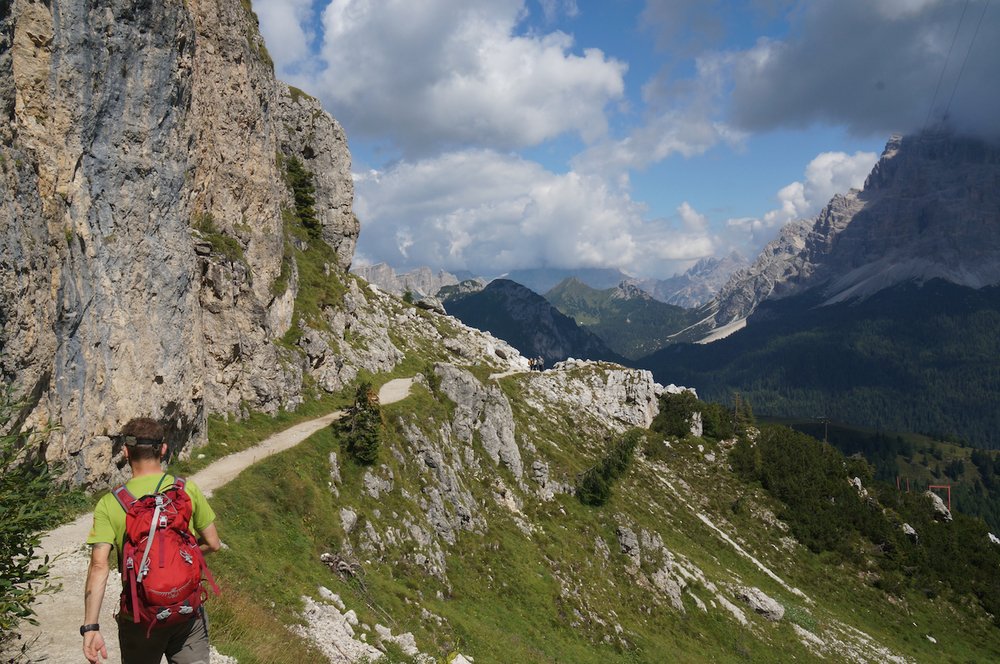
162,563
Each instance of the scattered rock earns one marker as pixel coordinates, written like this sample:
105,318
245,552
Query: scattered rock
761,603
348,519
941,511
629,544
215,657
431,304
993,538
910,532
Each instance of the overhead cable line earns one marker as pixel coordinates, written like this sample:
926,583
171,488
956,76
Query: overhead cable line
966,59
944,68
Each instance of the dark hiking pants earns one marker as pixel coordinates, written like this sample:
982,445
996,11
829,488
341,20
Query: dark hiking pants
183,643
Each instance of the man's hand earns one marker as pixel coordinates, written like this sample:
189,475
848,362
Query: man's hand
93,597
93,645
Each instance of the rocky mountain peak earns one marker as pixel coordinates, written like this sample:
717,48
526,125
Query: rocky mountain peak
928,210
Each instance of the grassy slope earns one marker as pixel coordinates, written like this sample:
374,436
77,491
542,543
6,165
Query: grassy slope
632,328
505,602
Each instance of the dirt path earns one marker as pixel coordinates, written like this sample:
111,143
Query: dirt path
59,614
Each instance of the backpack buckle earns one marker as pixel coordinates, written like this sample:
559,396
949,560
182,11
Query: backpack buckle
163,521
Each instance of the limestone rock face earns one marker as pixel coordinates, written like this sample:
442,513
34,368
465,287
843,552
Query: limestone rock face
941,511
141,229
928,210
624,397
482,410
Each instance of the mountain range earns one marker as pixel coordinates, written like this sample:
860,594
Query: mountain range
879,311
528,322
630,321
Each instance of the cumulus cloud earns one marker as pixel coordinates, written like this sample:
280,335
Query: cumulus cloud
488,212
873,67
283,23
829,173
450,73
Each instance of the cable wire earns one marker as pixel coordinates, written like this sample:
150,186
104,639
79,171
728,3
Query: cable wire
966,59
944,68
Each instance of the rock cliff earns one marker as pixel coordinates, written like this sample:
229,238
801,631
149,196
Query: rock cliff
142,238
928,210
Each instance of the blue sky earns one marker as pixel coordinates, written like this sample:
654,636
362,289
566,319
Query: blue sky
490,135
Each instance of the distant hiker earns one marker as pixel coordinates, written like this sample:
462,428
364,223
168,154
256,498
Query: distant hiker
531,364
175,625
540,363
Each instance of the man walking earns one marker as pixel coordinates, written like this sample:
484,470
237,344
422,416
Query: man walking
184,642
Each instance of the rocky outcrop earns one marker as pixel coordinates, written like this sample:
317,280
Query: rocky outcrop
941,511
141,202
482,412
620,397
761,603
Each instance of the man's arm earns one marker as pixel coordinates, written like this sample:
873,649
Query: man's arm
208,539
97,579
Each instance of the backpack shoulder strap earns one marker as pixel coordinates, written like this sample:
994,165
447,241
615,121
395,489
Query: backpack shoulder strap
123,496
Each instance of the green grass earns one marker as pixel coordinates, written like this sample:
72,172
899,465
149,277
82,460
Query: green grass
222,244
229,435
513,597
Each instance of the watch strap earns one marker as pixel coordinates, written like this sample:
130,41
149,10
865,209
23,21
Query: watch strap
93,627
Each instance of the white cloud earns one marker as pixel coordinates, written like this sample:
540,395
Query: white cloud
829,173
283,23
489,212
450,73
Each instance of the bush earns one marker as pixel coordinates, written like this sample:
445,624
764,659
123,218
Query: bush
594,486
300,181
28,505
362,427
676,411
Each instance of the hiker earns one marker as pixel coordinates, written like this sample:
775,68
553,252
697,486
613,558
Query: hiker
183,639
531,364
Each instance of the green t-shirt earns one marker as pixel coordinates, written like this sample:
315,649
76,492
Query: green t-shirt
109,517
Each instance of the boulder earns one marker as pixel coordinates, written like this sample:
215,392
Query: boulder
431,304
761,603
941,511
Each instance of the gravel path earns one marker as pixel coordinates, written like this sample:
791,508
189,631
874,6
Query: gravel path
59,614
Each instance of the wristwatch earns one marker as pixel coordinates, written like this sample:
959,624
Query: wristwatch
93,627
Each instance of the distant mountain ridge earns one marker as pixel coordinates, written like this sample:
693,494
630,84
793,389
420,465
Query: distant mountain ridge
699,284
421,281
528,322
928,210
543,279
629,320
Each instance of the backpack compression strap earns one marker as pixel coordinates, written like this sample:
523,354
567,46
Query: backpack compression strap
124,497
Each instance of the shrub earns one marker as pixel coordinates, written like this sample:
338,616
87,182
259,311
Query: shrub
594,486
676,411
27,506
300,182
362,427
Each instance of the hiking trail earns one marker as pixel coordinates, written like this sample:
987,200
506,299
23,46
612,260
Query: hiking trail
59,614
